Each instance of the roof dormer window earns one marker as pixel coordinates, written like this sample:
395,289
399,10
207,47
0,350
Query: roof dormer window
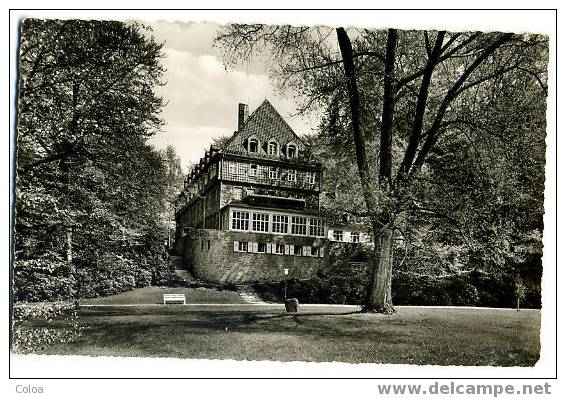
291,151
253,145
273,148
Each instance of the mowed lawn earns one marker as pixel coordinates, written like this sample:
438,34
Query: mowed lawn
154,295
443,336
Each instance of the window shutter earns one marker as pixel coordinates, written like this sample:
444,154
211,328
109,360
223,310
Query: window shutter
268,248
287,249
321,251
250,247
292,250
254,247
306,250
330,234
235,245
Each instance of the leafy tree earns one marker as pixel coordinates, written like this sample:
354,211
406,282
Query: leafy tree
174,184
88,188
426,117
220,141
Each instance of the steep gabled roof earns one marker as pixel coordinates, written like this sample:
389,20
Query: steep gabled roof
266,124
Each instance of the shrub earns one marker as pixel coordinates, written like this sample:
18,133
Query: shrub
32,326
41,280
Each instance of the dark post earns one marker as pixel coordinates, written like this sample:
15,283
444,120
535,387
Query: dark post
286,270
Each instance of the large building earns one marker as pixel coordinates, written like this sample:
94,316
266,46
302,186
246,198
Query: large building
251,209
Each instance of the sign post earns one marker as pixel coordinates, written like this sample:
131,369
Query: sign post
286,270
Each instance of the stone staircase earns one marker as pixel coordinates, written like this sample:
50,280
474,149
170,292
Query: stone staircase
248,295
177,262
185,275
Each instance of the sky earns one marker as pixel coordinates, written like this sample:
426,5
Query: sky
202,97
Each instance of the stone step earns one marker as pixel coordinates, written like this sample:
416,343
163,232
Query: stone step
248,295
185,275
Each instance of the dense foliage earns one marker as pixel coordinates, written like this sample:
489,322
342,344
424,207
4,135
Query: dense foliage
344,280
89,189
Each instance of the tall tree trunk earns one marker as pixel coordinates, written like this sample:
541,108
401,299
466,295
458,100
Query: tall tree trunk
69,253
379,292
379,295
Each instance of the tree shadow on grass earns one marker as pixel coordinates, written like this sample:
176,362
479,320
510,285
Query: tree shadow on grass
254,318
203,322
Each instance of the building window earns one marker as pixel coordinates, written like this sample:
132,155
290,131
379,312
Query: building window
273,172
208,245
355,237
338,235
292,175
291,151
279,248
261,247
253,145
273,149
232,168
240,220
260,222
253,170
243,246
298,250
280,224
314,251
311,178
298,225
316,227
202,245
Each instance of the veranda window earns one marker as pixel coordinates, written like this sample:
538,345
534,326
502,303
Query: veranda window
240,220
298,225
280,224
260,222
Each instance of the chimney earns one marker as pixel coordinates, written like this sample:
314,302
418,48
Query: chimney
242,115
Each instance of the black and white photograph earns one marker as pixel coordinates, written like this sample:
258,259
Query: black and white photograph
279,192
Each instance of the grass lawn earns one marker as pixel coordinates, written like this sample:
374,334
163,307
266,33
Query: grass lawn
154,295
445,336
